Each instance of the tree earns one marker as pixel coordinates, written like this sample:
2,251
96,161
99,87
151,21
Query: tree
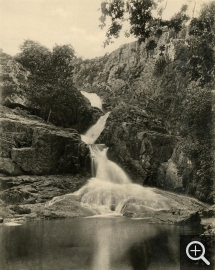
140,14
34,56
202,43
50,86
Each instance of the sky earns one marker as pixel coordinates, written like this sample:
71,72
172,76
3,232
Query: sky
74,22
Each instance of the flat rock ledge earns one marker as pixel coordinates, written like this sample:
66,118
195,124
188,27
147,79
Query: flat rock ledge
28,197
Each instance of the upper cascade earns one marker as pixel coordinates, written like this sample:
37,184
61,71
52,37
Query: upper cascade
94,99
93,133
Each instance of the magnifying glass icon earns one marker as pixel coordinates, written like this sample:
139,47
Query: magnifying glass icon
195,251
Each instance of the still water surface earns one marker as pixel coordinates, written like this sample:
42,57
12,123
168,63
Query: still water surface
90,243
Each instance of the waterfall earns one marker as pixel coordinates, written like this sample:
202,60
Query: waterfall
94,99
104,169
93,133
110,189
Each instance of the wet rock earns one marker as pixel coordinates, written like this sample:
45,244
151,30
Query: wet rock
171,208
128,214
68,206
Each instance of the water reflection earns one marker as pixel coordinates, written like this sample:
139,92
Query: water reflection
97,244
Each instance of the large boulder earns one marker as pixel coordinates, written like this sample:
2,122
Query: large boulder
172,209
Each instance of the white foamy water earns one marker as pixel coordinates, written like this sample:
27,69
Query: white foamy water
110,188
12,224
93,133
94,99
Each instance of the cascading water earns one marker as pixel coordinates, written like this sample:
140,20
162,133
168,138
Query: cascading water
94,99
110,189
93,133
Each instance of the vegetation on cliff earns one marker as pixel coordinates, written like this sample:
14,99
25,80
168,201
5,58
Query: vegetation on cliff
186,101
145,19
173,83
50,88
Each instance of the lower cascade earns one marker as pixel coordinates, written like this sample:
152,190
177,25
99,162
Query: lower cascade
110,189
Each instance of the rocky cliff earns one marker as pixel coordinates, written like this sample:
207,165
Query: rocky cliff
155,121
31,146
38,160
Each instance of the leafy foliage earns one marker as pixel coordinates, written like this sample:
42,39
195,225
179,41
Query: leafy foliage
50,87
202,42
186,101
139,13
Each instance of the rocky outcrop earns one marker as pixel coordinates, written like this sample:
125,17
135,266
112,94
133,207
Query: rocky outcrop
24,197
182,210
31,146
177,173
140,142
147,132
126,74
177,209
14,80
13,76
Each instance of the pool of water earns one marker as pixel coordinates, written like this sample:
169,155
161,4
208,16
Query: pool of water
90,243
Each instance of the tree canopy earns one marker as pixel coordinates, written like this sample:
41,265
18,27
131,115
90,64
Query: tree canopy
141,16
50,86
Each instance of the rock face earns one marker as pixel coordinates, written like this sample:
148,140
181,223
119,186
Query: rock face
176,173
30,146
126,74
38,160
141,143
13,76
125,81
154,144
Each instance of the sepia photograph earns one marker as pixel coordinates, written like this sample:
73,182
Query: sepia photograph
107,134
